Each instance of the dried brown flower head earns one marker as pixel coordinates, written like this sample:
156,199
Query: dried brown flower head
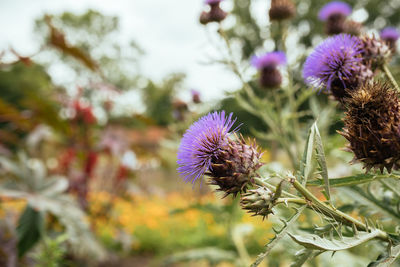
281,10
372,126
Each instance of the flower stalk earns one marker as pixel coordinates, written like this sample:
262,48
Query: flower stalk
330,211
390,77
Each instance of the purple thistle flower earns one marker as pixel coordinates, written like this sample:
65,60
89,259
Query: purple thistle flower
335,58
269,60
390,34
211,2
334,8
202,143
195,96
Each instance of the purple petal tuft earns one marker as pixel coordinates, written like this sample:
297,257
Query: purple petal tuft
334,58
390,33
202,142
334,8
272,59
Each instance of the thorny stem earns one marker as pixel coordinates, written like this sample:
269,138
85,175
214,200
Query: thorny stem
390,77
331,211
272,187
234,66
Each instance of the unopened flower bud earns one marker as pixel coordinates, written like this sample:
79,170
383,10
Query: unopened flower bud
258,201
196,96
281,10
215,14
235,166
375,52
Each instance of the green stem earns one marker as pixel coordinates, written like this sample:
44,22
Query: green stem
390,77
271,187
332,212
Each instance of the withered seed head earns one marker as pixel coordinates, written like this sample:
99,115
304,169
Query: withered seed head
235,167
372,126
281,10
259,201
375,51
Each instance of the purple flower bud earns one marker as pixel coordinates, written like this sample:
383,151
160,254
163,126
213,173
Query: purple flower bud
334,8
196,96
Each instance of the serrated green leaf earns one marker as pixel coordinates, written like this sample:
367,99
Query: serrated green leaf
353,180
278,236
29,228
311,241
305,164
322,161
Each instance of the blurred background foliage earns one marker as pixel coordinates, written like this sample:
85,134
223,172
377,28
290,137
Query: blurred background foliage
115,166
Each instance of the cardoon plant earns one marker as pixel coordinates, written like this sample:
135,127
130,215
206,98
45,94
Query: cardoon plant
353,208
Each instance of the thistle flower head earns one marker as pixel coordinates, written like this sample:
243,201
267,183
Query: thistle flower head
334,8
390,34
375,52
372,126
281,10
235,166
269,60
195,96
215,14
202,143
332,60
270,76
211,147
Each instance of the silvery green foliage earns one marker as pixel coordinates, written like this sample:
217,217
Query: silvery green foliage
27,179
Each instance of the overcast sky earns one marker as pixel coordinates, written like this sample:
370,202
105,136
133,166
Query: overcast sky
168,30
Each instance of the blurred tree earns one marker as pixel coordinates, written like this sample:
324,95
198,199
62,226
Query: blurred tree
26,100
159,99
96,35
